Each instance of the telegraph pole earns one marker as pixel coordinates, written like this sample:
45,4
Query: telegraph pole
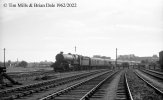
75,49
116,59
4,57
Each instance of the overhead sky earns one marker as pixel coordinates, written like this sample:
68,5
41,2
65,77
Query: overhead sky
95,27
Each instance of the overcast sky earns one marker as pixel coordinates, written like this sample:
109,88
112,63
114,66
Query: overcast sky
95,27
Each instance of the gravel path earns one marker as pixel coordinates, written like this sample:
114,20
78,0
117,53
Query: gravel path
112,87
108,91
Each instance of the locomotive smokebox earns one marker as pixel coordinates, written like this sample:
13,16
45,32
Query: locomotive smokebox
59,57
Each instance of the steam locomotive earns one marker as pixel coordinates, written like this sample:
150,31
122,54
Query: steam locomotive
69,62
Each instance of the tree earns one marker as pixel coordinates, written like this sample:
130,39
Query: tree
22,64
8,63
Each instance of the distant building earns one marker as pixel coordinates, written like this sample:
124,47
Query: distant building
96,56
126,57
132,57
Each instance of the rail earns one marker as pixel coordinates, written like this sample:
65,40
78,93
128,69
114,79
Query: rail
128,89
27,89
86,96
69,88
152,86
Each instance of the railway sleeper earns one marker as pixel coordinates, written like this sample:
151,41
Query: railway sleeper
122,90
42,83
97,87
69,88
157,90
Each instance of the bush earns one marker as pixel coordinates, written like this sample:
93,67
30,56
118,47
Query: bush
22,64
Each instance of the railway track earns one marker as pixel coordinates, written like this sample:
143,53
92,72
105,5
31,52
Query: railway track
23,91
81,91
123,91
157,90
154,74
160,73
140,88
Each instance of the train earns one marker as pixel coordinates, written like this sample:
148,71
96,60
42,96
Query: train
69,62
